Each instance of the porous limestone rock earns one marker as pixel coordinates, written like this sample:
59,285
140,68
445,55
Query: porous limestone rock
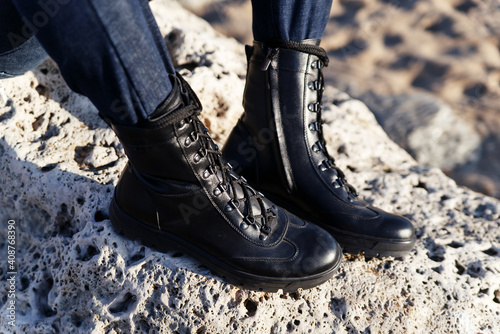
75,274
427,128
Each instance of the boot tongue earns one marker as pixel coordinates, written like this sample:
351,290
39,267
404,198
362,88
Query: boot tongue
174,101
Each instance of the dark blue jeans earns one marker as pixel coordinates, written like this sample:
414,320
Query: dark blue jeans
290,20
113,52
19,50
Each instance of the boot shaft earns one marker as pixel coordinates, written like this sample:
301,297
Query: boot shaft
282,100
153,146
275,86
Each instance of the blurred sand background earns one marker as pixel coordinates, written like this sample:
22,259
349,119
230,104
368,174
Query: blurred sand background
410,60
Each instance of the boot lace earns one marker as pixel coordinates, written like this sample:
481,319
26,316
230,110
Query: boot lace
229,181
329,162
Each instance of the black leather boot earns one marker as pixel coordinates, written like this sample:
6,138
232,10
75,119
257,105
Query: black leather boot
177,192
278,146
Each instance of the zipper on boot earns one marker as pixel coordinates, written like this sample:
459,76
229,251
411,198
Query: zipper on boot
271,52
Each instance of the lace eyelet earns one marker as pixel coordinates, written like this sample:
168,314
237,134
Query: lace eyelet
187,142
220,189
314,85
316,64
197,158
182,124
233,175
314,107
352,190
340,173
206,174
336,184
194,136
317,147
228,208
314,126
247,221
265,231
325,165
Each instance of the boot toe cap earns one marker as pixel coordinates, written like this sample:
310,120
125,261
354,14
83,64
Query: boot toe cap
396,227
317,250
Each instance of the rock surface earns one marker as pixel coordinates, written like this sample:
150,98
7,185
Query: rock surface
427,128
58,166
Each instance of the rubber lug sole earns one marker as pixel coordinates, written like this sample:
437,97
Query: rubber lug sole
164,241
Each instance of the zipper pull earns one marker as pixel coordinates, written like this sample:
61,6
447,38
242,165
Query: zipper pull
271,52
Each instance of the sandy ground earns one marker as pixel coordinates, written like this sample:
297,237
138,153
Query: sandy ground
449,48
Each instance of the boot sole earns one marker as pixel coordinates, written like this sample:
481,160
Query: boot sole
353,243
164,241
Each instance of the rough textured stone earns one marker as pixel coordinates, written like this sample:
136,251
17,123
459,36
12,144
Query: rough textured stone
427,128
76,275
